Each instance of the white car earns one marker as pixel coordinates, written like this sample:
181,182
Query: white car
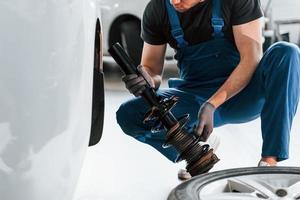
122,23
52,100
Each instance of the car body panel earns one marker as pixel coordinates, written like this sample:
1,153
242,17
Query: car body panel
46,77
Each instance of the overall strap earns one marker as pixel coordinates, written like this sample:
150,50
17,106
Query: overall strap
217,20
176,29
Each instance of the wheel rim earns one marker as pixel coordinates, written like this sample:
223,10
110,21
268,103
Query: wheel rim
250,187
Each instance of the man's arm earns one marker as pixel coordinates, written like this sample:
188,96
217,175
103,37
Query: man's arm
248,39
153,58
150,70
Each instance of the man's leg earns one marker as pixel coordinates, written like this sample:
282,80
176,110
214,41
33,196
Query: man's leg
282,76
131,114
273,93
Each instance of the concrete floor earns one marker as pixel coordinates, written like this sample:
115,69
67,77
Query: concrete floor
121,168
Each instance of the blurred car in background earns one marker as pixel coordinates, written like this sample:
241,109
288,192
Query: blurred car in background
122,23
52,95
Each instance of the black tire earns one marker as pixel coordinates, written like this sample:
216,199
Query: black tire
191,189
131,40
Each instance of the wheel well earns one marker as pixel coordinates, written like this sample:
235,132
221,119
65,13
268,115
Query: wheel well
98,46
115,32
98,90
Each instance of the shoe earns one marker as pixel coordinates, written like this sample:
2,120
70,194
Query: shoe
183,175
264,164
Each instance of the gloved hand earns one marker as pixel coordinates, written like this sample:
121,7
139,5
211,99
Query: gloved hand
205,121
136,83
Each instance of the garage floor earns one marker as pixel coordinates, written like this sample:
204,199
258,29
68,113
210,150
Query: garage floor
121,168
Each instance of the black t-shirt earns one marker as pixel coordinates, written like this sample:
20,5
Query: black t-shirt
196,22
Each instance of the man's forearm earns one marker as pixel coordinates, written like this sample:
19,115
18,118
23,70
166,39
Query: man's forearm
237,81
249,44
153,58
157,79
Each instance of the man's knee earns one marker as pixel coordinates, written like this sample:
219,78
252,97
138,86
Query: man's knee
123,118
282,56
127,118
286,50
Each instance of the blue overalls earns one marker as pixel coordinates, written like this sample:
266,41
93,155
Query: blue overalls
272,93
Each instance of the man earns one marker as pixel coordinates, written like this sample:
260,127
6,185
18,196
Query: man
224,77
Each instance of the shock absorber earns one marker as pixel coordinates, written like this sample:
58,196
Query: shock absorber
199,158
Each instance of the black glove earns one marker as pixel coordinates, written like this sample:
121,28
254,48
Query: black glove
205,121
136,83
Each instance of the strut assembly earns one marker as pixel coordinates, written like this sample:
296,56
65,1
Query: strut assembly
199,158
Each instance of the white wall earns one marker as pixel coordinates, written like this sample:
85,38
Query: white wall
287,9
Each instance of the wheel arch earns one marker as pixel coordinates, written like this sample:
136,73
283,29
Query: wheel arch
98,88
114,30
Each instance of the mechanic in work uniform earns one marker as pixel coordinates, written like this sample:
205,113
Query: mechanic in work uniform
224,77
